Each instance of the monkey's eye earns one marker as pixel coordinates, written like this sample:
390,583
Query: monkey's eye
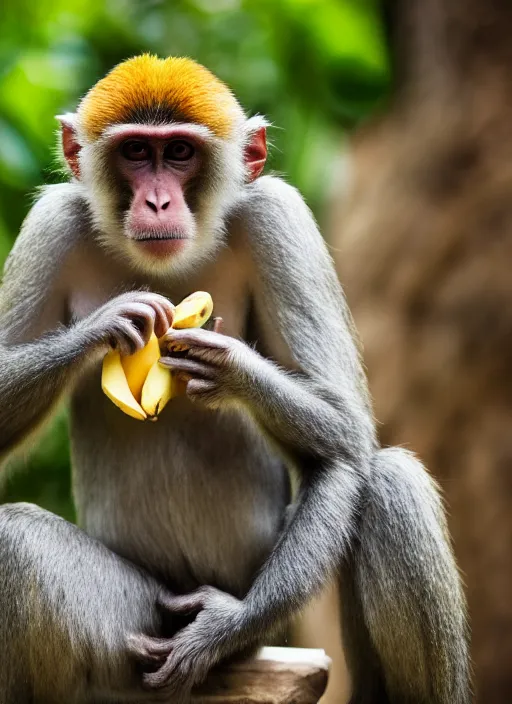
179,150
136,151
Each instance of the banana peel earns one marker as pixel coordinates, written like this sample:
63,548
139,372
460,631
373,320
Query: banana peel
157,389
137,383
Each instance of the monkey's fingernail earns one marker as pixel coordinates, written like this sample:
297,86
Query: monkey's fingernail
177,347
183,376
218,324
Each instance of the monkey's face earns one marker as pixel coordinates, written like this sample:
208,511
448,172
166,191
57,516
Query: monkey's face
158,169
162,150
159,194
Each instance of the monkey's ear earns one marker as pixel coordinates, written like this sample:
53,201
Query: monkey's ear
255,153
70,145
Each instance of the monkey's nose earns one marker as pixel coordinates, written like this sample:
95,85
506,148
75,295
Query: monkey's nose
157,201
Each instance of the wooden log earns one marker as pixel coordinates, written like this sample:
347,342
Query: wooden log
272,676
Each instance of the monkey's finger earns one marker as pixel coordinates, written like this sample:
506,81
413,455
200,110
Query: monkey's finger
151,648
183,603
200,387
171,681
162,323
196,337
164,305
213,324
176,676
178,347
169,308
142,316
143,648
183,364
128,339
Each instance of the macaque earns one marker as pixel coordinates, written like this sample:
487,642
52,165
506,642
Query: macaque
203,534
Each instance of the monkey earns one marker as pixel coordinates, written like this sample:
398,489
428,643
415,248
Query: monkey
201,535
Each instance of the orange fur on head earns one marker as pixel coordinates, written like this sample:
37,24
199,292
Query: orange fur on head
146,85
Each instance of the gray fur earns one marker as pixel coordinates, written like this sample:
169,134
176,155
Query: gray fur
413,605
200,497
67,604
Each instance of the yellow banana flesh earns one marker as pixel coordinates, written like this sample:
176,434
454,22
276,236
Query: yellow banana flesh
115,386
137,383
193,311
136,366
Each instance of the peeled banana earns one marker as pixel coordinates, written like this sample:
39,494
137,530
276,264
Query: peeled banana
115,385
193,311
137,383
136,366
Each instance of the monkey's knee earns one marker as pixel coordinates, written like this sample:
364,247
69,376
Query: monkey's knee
68,605
29,537
14,605
15,518
18,529
19,511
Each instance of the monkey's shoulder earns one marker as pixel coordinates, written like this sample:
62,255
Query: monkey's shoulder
59,220
61,208
273,215
273,192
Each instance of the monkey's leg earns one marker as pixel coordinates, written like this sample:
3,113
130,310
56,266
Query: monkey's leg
67,605
403,611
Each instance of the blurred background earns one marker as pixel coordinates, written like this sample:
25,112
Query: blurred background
394,120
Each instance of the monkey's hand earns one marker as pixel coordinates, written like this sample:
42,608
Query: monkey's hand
299,410
215,366
180,662
127,321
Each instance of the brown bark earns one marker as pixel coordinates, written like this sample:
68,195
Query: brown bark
275,676
423,244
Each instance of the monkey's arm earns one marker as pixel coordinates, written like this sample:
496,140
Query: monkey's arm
314,395
313,402
36,353
319,414
40,351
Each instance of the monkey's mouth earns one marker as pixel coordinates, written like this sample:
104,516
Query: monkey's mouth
158,236
158,244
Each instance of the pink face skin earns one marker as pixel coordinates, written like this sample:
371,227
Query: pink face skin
158,163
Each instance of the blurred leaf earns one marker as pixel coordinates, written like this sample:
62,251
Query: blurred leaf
43,476
18,166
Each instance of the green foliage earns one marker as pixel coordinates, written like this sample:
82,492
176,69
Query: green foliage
313,67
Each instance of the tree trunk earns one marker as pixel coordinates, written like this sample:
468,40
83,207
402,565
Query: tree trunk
423,244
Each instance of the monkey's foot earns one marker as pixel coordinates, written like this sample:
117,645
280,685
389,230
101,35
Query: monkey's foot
184,660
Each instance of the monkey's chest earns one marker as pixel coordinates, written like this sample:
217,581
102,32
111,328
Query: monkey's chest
197,497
